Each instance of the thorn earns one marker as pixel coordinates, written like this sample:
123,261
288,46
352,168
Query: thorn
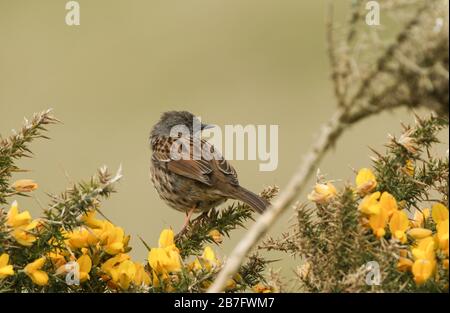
375,151
417,119
144,243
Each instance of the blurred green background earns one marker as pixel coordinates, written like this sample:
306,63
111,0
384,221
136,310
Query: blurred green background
109,79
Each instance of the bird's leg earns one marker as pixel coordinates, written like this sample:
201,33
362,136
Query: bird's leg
186,222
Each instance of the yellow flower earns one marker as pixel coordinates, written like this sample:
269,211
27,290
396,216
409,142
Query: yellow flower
90,220
442,236
420,217
141,277
206,261
166,238
5,269
85,266
216,236
209,255
111,237
398,225
322,193
25,185
195,265
210,258
81,237
23,234
123,272
403,253
365,181
33,270
388,202
419,233
22,225
425,260
166,258
16,219
404,264
155,279
422,270
115,239
378,222
57,259
111,265
369,205
84,263
439,212
126,274
424,249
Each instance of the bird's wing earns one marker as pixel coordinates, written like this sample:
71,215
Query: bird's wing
228,172
203,170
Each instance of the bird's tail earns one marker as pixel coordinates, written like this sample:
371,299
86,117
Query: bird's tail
256,202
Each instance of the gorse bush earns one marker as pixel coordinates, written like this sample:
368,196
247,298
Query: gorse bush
71,249
388,232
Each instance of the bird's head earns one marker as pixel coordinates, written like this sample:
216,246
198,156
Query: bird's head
172,123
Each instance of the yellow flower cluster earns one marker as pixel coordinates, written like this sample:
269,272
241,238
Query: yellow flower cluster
382,213
23,230
99,233
5,268
99,248
22,226
90,242
95,254
35,272
164,260
32,270
95,238
382,210
427,245
122,272
166,264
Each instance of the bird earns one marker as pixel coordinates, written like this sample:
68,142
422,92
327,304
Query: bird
193,184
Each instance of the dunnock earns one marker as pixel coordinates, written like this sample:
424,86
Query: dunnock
187,183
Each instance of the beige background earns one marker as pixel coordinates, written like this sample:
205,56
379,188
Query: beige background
108,80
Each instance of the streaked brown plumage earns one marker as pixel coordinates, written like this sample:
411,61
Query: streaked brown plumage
191,185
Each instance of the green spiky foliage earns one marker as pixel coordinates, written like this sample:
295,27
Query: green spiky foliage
333,241
66,217
16,146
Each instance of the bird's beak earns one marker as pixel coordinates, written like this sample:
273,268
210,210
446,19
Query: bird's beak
207,126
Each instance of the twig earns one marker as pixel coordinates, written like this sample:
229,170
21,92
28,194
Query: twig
358,107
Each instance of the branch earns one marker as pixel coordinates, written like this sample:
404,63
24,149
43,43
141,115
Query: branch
399,90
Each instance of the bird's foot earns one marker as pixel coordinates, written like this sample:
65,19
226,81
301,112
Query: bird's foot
187,220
